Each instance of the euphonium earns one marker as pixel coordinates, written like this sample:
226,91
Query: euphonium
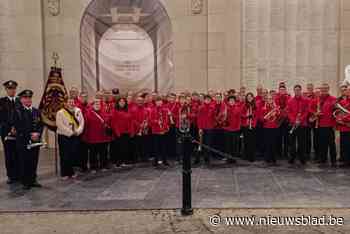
339,112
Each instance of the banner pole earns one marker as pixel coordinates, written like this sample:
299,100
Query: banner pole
56,155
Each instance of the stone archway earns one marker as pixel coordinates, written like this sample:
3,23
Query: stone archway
102,16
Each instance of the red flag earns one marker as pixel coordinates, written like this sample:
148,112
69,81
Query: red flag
53,98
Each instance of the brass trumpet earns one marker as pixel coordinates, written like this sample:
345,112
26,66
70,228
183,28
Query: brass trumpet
316,116
296,125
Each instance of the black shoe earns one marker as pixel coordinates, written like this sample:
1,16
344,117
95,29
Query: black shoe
166,164
26,187
231,161
11,181
36,185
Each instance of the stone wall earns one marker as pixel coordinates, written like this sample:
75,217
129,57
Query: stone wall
21,51
292,40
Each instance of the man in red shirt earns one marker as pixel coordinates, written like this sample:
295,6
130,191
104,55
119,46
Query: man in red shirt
281,99
310,133
259,93
141,127
83,156
260,103
232,115
342,100
269,115
171,105
206,122
343,126
321,110
159,121
297,110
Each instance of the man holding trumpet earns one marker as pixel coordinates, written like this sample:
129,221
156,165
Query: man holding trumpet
297,110
342,117
321,110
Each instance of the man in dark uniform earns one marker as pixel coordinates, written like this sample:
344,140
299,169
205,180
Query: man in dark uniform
29,129
8,105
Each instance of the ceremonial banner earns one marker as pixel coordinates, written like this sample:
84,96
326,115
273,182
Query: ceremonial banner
53,98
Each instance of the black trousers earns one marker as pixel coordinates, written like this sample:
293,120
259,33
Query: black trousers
208,136
83,155
171,142
149,145
345,146
98,156
260,144
67,150
312,141
218,140
12,163
232,143
326,143
122,153
282,143
139,148
271,138
160,147
298,144
28,164
249,141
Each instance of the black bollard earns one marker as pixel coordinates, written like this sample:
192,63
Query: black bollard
186,176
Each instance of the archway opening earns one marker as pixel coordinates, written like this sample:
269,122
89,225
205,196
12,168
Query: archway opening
126,59
126,44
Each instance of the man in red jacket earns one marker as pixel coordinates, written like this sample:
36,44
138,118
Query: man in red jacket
141,126
269,116
260,103
159,120
281,99
310,133
96,122
232,114
206,122
343,126
171,105
83,156
321,110
297,110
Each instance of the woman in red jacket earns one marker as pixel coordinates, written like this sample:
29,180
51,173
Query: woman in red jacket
121,124
270,115
96,124
232,126
159,119
249,122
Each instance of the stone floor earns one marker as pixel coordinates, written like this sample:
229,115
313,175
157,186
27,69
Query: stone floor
221,186
166,222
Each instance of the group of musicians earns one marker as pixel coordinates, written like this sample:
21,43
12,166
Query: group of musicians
114,130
